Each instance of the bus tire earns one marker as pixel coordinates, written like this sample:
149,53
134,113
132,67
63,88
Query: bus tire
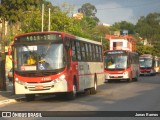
93,90
30,97
87,91
72,95
60,95
136,79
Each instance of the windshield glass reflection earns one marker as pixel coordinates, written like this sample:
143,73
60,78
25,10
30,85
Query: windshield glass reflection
39,57
115,62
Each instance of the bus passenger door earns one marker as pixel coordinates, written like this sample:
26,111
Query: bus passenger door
86,76
81,76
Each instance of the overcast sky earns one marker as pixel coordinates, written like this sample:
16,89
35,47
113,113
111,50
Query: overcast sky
111,11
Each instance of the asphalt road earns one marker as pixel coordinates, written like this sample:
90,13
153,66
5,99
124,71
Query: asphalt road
143,95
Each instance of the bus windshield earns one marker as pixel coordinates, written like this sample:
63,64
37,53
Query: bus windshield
115,62
145,62
48,56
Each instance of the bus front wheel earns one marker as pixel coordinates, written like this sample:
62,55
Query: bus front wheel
93,90
72,95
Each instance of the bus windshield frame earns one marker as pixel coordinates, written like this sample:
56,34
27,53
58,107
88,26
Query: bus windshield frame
39,55
146,62
116,61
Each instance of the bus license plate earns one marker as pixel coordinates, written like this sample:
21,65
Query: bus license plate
115,76
39,87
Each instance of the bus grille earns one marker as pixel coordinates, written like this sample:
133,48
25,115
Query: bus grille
33,88
116,77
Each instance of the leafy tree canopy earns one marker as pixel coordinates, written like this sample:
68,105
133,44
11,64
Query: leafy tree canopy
149,27
11,10
89,10
28,13
123,25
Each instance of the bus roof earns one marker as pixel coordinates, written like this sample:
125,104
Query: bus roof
146,55
87,40
63,34
121,50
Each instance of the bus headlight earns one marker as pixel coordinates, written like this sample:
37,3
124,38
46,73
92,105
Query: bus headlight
152,71
62,77
20,82
107,75
125,73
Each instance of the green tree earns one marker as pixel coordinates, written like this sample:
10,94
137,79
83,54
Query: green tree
101,30
11,11
61,22
31,22
123,25
89,10
144,49
149,27
99,33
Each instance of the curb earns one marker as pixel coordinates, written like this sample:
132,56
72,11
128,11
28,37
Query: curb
5,102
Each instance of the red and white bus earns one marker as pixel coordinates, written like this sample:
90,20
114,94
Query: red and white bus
121,65
149,65
56,62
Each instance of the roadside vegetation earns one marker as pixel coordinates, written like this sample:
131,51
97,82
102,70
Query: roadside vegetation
25,17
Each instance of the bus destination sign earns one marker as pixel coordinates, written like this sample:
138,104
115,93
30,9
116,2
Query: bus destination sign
38,37
115,52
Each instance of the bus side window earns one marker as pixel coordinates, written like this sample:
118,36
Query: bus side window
97,54
83,52
93,53
90,52
74,57
79,57
67,45
153,62
67,42
100,53
87,52
129,60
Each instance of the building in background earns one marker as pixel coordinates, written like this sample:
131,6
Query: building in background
78,16
122,42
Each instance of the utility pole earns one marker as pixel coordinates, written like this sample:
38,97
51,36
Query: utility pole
49,19
42,16
101,38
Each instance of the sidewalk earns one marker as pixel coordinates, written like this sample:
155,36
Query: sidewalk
8,96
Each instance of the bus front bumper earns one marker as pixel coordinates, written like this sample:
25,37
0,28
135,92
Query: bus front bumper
35,88
147,72
124,75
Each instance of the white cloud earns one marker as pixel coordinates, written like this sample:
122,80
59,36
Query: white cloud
113,12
